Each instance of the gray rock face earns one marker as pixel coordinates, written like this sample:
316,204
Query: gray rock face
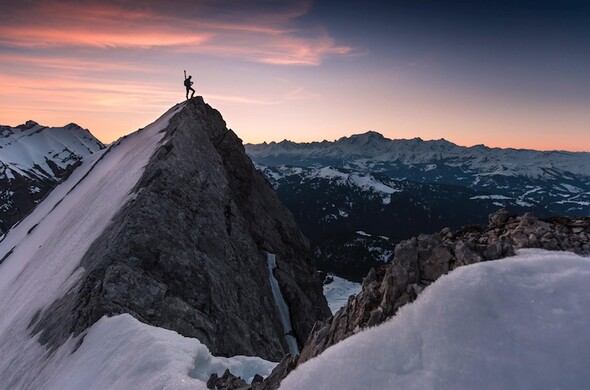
188,253
418,262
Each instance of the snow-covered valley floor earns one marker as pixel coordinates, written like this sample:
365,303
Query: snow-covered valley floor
338,291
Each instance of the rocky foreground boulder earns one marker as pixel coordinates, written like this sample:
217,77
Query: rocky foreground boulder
421,260
188,252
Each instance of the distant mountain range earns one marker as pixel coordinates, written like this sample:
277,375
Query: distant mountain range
33,159
400,188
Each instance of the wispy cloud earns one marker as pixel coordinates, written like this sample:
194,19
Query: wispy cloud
300,94
259,31
107,64
241,99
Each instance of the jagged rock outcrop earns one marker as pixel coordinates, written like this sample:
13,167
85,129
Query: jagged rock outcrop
421,260
418,262
226,381
188,252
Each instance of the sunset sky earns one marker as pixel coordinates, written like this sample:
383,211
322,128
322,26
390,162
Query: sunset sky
501,73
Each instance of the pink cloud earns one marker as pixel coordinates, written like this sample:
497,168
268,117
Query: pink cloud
262,32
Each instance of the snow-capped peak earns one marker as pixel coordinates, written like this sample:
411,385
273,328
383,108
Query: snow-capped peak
363,139
376,149
27,148
33,158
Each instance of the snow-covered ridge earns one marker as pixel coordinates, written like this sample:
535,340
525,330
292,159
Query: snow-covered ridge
337,290
371,148
40,256
30,149
33,159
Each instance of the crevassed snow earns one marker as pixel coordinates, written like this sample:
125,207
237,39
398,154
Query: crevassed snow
42,253
517,323
122,353
338,291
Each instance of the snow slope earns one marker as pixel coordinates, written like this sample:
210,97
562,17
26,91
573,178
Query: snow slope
122,353
338,291
33,159
25,150
39,261
45,248
516,323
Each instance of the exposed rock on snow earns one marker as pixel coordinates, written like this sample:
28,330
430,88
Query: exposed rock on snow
225,381
421,260
188,251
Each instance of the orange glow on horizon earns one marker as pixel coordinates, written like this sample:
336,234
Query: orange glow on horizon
114,67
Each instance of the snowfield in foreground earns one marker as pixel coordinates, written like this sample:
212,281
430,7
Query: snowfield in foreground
122,353
517,323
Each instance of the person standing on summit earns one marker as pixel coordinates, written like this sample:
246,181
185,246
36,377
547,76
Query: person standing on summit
188,84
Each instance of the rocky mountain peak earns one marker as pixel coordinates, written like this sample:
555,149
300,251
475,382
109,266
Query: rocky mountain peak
28,124
417,263
72,126
364,138
189,250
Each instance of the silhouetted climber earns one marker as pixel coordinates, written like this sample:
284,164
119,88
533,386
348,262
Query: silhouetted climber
187,84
